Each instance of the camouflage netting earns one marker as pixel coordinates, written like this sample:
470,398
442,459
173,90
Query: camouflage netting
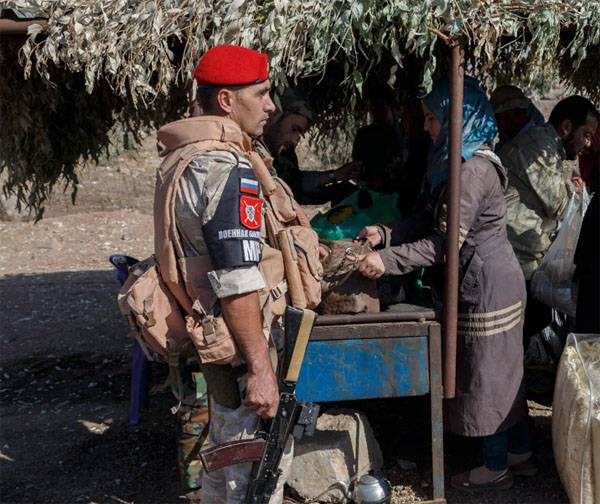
118,62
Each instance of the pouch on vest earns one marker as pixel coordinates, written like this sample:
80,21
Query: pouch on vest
282,212
153,314
306,243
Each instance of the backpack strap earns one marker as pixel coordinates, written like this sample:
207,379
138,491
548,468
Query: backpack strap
261,171
186,156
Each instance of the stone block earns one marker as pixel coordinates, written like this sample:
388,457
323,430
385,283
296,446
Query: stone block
342,449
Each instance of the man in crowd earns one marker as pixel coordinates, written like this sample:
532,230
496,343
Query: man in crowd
538,191
234,96
515,113
283,133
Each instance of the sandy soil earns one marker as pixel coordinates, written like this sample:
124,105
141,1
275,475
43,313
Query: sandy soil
65,358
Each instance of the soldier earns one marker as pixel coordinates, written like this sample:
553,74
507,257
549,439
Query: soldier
538,191
218,218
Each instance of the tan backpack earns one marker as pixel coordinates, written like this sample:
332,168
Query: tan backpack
153,314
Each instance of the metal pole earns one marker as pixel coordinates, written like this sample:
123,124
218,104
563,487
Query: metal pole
453,223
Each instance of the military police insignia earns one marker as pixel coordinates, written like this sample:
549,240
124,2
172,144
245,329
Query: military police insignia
250,212
233,233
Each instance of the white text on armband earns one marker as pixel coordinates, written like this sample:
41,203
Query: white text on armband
251,251
225,234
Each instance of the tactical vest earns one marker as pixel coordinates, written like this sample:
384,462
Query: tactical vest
185,278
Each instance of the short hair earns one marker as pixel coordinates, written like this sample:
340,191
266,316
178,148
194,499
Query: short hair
574,108
206,96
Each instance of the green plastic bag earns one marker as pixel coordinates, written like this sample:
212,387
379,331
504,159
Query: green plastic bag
360,209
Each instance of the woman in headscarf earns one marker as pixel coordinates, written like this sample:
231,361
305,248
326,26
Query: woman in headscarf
489,398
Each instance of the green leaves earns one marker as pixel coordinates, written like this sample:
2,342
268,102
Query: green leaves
138,55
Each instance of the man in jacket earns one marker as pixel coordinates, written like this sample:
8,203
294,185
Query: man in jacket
283,133
515,113
538,191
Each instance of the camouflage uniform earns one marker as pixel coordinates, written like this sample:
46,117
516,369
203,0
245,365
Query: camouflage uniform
205,221
192,419
537,196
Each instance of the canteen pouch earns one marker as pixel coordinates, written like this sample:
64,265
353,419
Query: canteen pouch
204,325
150,309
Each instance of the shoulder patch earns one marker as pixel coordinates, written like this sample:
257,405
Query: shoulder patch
232,235
250,212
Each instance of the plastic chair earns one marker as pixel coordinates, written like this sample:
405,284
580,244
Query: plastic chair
139,387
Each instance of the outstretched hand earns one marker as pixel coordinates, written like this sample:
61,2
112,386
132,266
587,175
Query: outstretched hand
349,171
371,234
369,265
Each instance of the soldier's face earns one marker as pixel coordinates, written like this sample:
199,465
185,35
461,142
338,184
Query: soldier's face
251,106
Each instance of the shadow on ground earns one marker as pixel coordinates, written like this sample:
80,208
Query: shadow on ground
65,434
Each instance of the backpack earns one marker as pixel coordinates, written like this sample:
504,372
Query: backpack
151,311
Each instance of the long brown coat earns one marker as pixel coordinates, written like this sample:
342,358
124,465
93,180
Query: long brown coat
489,396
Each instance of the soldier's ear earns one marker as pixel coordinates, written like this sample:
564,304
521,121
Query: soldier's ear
226,99
565,128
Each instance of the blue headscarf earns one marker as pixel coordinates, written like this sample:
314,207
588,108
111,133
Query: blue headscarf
479,125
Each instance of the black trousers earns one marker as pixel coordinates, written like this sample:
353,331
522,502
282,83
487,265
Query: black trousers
537,316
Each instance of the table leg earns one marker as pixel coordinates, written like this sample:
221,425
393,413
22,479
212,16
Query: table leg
437,422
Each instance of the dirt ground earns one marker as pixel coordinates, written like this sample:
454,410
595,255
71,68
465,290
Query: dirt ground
65,360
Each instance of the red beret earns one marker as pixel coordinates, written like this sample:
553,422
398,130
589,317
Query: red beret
232,66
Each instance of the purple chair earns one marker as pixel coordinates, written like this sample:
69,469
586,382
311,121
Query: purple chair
139,365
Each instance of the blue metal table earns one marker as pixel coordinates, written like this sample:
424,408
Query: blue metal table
368,356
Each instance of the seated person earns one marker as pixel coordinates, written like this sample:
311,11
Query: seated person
282,134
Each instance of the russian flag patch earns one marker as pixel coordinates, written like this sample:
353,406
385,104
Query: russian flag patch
248,185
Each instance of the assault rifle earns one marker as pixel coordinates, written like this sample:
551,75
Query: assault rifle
293,418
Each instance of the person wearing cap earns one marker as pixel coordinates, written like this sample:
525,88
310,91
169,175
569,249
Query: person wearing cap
283,133
539,189
515,113
217,216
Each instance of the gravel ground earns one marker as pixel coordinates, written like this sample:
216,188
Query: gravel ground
64,367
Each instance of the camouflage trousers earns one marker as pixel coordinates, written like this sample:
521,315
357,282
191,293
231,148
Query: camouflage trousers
228,485
192,422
